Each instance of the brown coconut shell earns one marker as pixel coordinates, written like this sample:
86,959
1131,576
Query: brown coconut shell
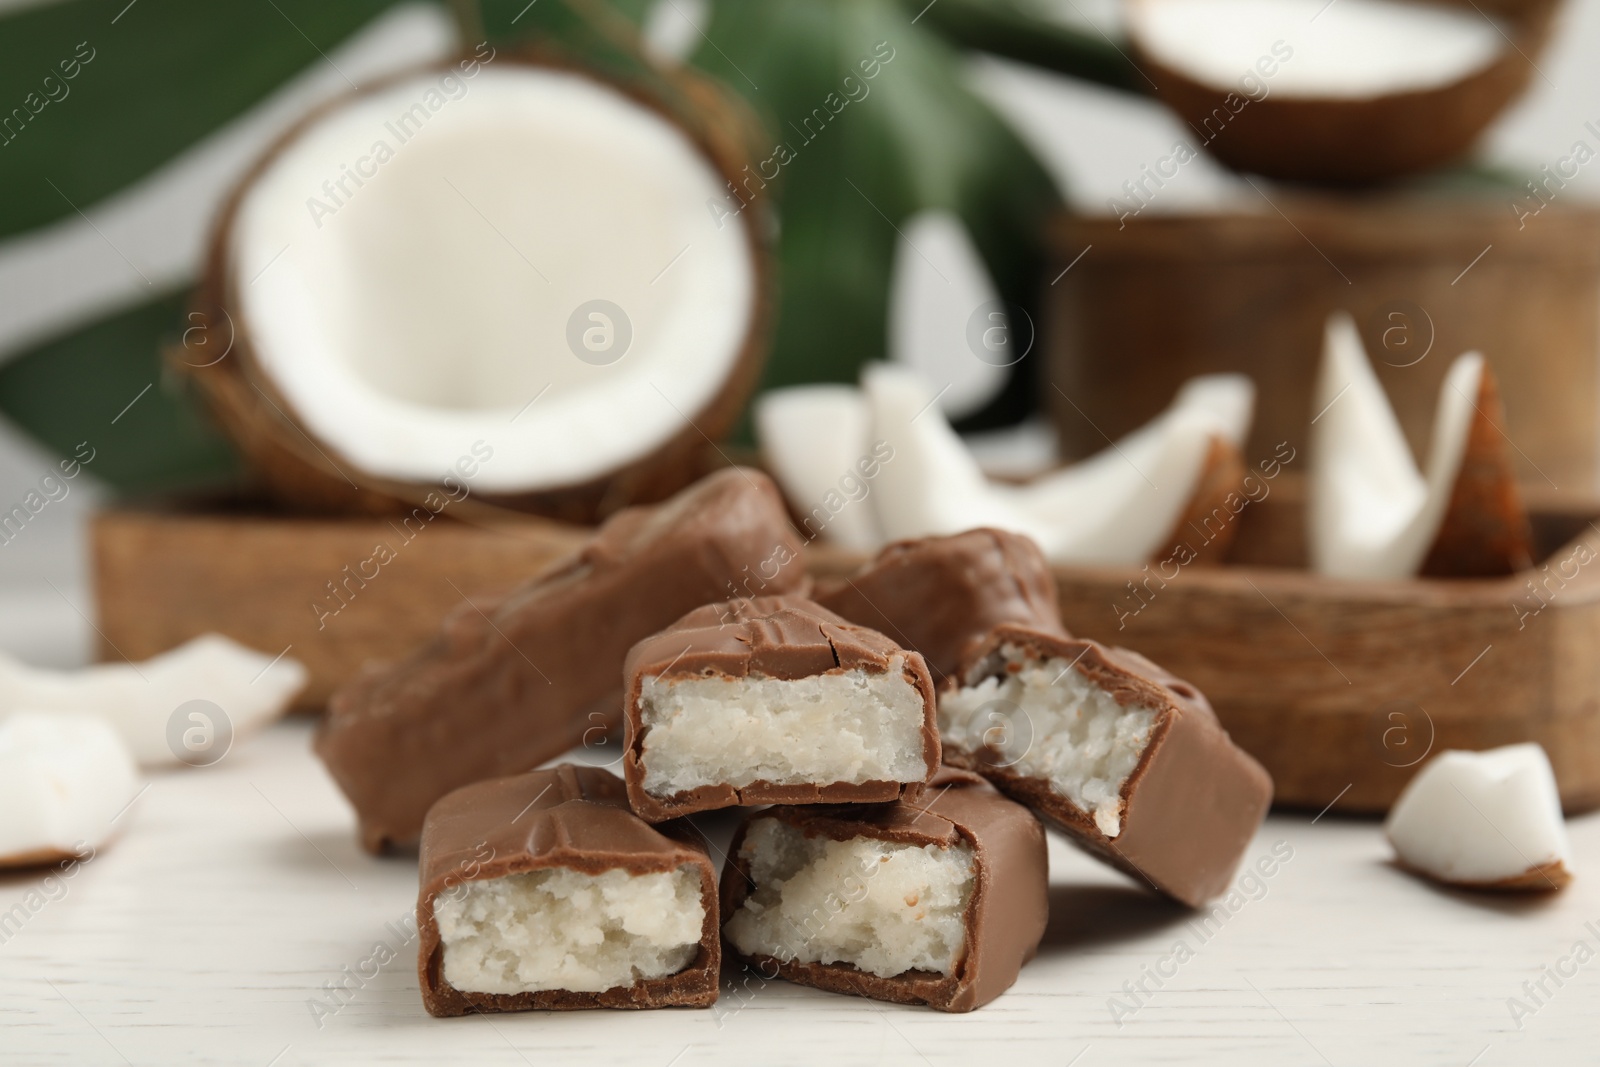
1363,140
1209,521
307,475
1485,532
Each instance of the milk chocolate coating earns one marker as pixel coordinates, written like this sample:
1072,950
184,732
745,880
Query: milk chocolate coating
941,595
506,688
1005,917
1191,805
564,816
784,637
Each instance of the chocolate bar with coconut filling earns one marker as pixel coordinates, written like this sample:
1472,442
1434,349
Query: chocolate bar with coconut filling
941,595
1127,760
543,891
774,700
505,688
938,901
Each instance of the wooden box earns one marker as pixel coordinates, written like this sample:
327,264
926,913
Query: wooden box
1156,299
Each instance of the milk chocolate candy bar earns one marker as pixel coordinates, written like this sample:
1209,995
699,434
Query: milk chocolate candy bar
937,901
941,595
774,700
1128,760
506,688
542,890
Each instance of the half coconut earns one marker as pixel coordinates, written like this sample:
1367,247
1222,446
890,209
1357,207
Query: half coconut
505,276
1348,93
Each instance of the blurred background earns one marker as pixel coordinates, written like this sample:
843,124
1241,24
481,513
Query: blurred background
109,197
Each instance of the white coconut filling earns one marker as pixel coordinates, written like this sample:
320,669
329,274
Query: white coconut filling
847,726
415,265
882,906
563,929
1045,719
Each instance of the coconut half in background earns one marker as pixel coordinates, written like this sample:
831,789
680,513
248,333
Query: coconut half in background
502,271
1372,513
1345,93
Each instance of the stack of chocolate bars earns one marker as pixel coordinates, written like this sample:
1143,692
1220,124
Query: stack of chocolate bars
898,736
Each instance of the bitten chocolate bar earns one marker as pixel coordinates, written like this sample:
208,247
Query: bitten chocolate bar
504,689
542,890
937,903
941,595
773,700
1128,760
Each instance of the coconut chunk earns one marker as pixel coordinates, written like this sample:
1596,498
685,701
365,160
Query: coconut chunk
881,906
564,929
1120,506
63,779
245,690
1484,820
816,441
1372,513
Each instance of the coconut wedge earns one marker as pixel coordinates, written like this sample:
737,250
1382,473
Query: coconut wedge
244,691
1122,506
64,781
1373,513
496,276
816,440
1484,820
1354,92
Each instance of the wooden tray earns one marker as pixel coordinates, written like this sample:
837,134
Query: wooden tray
1339,688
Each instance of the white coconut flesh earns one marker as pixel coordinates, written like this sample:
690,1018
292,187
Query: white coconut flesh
425,309
65,781
815,440
1351,49
1115,507
1480,818
1372,512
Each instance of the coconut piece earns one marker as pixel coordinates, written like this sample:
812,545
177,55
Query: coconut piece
64,778
1484,820
816,441
500,271
1358,91
1372,512
1123,505
246,688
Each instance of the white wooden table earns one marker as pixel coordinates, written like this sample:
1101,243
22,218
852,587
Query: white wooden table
237,892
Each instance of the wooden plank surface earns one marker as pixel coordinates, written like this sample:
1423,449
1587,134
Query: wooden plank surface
237,893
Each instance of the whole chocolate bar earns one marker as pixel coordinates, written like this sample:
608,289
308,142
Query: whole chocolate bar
1128,760
941,595
938,903
504,689
542,890
773,700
